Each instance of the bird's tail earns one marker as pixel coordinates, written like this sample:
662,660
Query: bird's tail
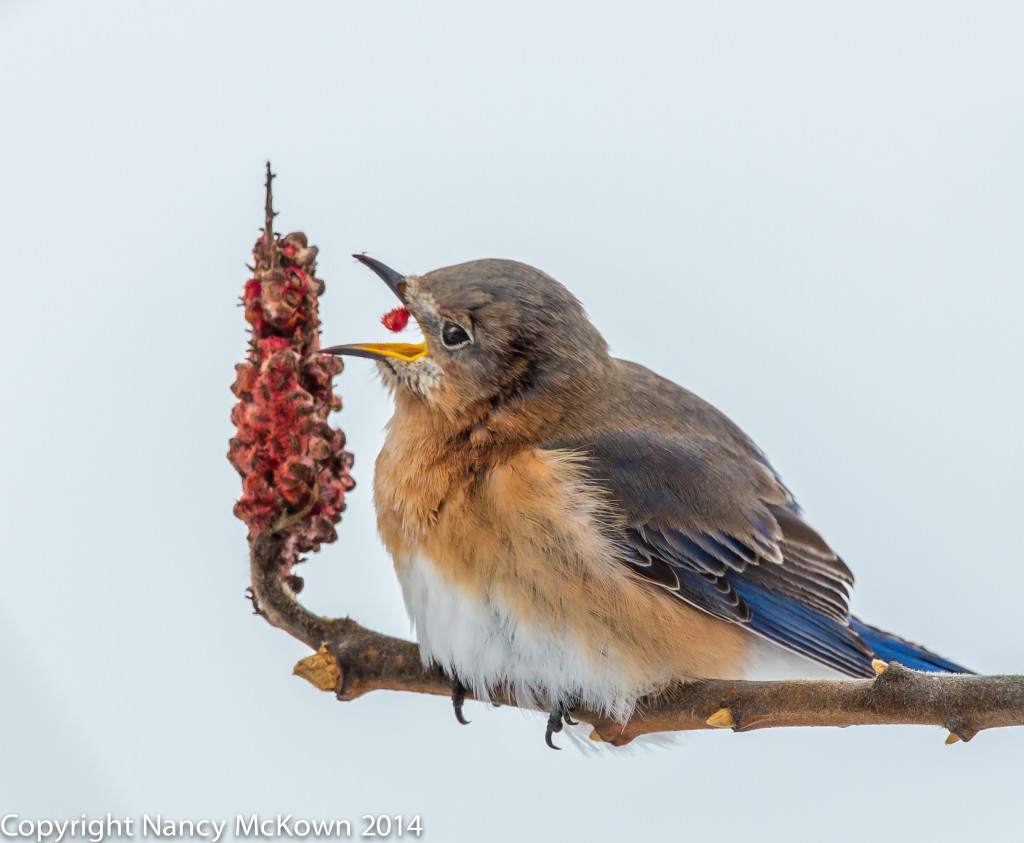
890,648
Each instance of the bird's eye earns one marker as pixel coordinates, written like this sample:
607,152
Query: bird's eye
454,335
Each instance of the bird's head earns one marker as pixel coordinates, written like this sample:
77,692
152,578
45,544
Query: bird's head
500,337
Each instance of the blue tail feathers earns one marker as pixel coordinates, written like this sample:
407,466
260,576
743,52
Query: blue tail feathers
890,648
848,648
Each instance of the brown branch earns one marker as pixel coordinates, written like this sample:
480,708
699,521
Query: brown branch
275,601
352,660
295,474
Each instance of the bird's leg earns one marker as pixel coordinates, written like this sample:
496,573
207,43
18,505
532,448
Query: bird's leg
458,698
559,715
554,725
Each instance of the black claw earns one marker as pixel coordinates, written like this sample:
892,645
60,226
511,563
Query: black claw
559,715
458,698
554,725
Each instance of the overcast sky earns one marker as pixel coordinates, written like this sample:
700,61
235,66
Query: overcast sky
810,214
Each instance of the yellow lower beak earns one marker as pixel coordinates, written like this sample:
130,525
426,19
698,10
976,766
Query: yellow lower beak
404,351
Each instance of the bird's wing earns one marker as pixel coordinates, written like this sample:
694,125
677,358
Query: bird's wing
716,528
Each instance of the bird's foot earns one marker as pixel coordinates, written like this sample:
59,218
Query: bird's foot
458,698
559,714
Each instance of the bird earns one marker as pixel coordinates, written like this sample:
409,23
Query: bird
577,530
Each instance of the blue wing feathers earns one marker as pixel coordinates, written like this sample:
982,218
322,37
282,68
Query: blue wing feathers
699,520
805,630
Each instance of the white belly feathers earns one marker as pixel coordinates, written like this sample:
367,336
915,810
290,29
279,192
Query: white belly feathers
483,643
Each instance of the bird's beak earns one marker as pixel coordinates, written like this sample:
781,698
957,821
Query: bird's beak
404,351
395,280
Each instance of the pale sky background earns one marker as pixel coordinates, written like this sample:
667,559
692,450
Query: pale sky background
811,214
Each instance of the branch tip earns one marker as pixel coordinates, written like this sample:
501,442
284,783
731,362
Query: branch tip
320,670
268,229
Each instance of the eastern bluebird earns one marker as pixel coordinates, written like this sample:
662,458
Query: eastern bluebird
580,531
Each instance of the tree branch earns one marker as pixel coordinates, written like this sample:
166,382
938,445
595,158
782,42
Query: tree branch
295,473
351,661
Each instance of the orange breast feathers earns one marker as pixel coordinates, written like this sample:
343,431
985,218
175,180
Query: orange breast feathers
528,533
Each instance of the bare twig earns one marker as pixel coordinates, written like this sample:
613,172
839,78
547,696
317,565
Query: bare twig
269,213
